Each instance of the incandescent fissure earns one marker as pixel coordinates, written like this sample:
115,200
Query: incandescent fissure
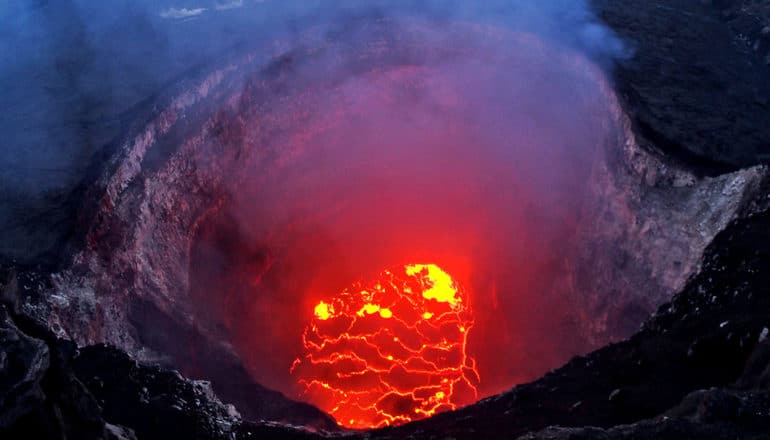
390,351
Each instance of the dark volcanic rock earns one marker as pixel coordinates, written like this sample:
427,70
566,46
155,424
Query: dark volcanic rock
50,389
155,403
42,395
271,431
229,379
692,87
704,415
750,22
23,361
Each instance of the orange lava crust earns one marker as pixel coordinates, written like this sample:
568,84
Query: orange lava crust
391,351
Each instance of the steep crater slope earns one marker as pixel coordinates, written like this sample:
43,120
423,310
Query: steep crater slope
144,282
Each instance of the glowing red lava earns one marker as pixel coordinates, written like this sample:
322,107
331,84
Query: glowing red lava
391,351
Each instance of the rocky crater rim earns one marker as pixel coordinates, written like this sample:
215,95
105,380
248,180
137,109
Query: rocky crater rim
185,173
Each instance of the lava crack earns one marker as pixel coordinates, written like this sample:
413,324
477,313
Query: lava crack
391,351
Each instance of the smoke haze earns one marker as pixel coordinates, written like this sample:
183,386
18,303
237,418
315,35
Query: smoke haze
474,158
475,162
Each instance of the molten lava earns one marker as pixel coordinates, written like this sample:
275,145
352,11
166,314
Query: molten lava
391,351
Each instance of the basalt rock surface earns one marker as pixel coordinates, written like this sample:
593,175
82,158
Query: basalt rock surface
708,414
696,84
50,389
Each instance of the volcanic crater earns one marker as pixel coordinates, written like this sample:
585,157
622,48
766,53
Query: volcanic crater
274,194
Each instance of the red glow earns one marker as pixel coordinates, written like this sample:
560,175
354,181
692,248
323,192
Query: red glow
477,163
391,351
